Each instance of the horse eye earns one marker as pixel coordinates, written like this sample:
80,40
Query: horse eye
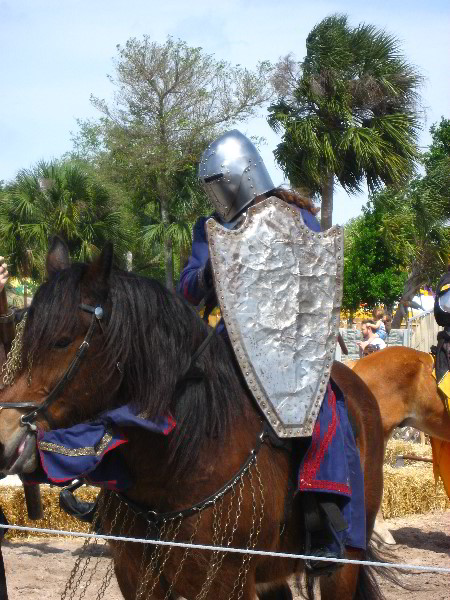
62,343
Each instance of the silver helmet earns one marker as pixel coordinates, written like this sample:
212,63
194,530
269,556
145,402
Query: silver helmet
233,174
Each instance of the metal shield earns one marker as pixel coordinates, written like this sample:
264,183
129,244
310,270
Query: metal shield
279,287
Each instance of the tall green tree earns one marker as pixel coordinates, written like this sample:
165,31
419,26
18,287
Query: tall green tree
170,101
348,112
415,224
372,273
57,198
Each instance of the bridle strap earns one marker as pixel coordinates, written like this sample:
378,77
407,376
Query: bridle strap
29,418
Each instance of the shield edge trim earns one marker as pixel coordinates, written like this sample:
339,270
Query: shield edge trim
265,405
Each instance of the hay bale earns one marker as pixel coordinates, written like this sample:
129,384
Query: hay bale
396,447
412,490
12,501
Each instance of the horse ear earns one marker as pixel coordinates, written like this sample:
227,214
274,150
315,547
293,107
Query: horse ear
99,270
58,257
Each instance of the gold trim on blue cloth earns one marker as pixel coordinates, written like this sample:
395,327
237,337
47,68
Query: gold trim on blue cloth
86,451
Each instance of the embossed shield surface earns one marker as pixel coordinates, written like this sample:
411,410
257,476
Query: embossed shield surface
279,286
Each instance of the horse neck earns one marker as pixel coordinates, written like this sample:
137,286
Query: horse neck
149,460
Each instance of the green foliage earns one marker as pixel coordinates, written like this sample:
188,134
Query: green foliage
415,221
57,198
372,273
436,182
349,111
402,240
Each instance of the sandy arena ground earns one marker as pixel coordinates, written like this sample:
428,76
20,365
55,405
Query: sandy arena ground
38,568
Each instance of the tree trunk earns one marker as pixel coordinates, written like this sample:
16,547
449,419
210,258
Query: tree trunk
411,287
129,260
326,214
168,246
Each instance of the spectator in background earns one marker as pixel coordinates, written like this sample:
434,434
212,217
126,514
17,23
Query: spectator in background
371,338
379,317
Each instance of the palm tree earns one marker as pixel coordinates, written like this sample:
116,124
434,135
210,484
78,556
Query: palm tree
348,112
57,198
188,200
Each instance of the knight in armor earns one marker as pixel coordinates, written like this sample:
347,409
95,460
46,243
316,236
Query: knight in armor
442,316
330,487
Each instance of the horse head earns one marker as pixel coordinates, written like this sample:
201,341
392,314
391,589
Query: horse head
52,334
96,338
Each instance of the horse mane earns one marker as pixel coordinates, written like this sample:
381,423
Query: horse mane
153,333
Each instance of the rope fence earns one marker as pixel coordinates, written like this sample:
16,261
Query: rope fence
367,563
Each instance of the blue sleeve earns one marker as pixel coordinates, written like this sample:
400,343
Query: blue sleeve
310,220
190,284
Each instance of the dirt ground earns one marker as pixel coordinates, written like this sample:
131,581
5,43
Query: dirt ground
39,568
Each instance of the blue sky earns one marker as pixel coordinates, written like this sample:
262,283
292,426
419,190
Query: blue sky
54,54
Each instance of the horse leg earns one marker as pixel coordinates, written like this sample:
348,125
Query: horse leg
3,588
280,591
381,533
343,583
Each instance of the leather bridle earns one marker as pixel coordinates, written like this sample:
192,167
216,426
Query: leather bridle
41,408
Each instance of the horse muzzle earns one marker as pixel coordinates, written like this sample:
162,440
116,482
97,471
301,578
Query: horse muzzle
19,453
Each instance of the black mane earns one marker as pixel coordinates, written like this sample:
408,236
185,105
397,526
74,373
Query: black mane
153,333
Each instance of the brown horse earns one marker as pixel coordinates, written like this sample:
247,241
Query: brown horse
402,382
140,352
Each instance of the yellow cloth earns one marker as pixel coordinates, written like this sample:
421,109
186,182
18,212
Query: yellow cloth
441,462
444,386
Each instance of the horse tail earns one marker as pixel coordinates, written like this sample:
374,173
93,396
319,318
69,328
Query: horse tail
367,583
367,587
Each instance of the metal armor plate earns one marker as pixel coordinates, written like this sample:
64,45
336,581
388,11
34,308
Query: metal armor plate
279,287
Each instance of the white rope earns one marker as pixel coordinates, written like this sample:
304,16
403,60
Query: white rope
117,538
